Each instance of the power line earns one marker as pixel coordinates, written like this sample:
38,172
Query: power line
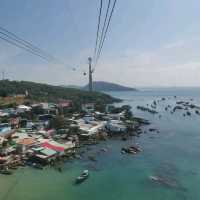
13,39
24,42
24,48
104,37
104,25
99,22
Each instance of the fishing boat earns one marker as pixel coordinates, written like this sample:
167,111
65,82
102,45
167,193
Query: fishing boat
82,177
131,150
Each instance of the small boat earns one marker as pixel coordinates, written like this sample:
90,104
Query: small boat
130,150
155,178
6,172
82,177
13,167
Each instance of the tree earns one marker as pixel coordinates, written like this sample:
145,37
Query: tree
58,122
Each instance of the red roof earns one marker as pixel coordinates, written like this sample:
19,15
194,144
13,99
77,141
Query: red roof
53,147
67,103
27,141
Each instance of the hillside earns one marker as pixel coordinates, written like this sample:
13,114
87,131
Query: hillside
106,86
44,92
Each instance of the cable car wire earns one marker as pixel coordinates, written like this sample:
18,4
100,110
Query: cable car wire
98,27
105,34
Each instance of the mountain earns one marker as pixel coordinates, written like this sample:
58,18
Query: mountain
72,86
44,92
107,86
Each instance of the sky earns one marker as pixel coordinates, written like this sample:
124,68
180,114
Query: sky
149,43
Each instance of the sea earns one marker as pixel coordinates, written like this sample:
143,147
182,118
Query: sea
173,154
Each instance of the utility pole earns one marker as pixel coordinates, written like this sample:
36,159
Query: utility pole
90,74
3,74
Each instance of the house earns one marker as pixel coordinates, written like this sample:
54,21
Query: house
15,122
109,108
49,153
26,143
60,148
43,155
115,126
116,116
23,108
88,118
88,108
49,108
65,106
45,118
3,113
90,129
6,131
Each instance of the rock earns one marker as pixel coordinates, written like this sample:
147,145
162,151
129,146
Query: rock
92,158
177,108
124,138
104,150
153,129
188,113
147,109
197,112
130,150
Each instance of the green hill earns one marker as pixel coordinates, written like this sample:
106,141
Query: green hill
44,92
106,86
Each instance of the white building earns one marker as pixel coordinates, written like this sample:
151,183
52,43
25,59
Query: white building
23,108
90,128
88,108
116,126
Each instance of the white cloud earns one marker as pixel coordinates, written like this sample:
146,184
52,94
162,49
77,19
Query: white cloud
173,64
176,44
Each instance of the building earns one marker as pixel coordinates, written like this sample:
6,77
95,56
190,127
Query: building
109,108
115,126
58,147
65,106
6,131
23,108
26,143
90,129
88,108
88,118
43,155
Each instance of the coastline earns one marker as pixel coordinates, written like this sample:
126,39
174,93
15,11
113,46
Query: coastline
122,176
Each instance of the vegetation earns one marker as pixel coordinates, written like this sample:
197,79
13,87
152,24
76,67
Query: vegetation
59,122
42,92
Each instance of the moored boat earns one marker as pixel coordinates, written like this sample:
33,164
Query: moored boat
6,172
82,177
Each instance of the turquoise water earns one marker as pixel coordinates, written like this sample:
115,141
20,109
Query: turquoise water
174,154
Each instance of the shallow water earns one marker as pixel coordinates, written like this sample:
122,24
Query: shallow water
173,154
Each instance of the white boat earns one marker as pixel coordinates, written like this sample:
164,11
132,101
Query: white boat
82,177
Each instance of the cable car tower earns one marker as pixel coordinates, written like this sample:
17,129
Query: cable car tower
90,74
